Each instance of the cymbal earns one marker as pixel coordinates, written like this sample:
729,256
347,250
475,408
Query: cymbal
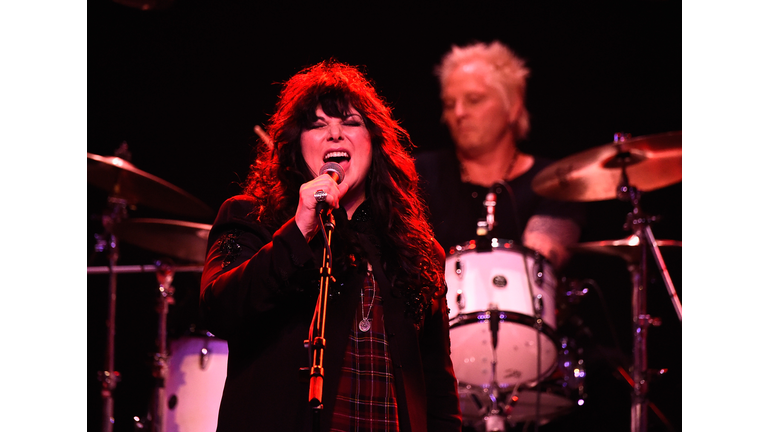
176,239
626,248
123,180
652,162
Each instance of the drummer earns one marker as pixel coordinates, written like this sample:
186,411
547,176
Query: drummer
483,95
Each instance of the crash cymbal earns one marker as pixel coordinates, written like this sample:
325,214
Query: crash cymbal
626,248
123,180
652,162
176,239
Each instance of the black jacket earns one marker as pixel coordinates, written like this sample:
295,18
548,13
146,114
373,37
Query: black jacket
259,291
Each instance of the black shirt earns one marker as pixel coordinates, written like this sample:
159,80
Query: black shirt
456,206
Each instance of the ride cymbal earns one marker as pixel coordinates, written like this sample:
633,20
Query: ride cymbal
651,162
124,181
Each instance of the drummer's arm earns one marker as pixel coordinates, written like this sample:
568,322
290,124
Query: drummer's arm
551,236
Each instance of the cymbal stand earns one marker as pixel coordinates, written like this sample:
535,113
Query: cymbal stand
639,223
164,273
116,211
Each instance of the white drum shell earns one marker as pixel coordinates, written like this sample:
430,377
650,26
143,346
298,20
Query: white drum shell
507,278
193,389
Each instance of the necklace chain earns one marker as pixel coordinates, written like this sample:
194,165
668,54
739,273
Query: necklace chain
365,324
507,173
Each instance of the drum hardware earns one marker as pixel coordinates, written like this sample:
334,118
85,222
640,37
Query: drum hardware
559,394
569,296
108,243
538,305
482,228
156,416
640,224
494,421
509,290
186,241
652,374
204,358
460,300
128,186
539,280
620,171
141,268
485,226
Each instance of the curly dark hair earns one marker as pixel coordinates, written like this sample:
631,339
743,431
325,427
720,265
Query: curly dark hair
409,250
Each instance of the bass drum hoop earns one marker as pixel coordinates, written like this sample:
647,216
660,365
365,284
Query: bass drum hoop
512,318
504,316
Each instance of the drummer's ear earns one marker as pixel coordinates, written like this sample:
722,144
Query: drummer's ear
516,106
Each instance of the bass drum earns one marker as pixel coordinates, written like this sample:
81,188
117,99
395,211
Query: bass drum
195,382
557,395
495,296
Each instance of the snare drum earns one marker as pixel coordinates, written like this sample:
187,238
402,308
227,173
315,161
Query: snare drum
196,375
501,290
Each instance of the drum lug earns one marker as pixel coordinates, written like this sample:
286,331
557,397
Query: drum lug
204,356
539,281
461,301
538,308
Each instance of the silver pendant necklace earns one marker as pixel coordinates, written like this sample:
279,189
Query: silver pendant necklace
365,324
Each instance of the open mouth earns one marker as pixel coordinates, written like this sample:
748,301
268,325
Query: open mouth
336,156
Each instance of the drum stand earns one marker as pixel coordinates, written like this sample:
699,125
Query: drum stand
164,272
639,223
115,212
494,421
164,275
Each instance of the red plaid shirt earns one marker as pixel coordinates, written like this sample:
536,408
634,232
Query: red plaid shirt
366,400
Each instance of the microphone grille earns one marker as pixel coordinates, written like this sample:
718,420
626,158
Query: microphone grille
330,167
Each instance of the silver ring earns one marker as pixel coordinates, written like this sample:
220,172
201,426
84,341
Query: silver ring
320,195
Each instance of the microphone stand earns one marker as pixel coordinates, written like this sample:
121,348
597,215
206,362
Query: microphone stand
317,344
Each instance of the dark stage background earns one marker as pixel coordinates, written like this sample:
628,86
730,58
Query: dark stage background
185,85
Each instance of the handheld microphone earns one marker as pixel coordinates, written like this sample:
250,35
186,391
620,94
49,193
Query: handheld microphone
337,174
334,170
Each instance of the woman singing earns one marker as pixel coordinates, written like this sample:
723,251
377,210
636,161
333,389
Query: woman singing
386,360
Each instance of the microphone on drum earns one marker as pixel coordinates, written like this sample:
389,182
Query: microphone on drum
494,324
486,226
